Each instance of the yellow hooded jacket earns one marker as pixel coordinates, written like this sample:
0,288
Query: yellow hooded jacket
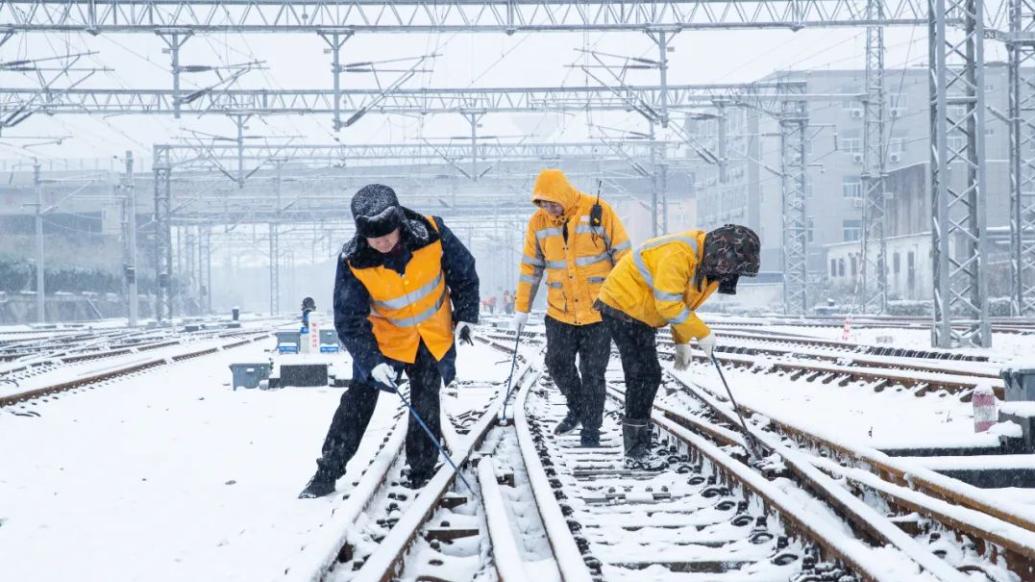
655,285
575,266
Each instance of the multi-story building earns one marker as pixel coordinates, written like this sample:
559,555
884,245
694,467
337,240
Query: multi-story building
750,192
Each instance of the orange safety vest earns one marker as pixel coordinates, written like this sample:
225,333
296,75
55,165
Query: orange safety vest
414,306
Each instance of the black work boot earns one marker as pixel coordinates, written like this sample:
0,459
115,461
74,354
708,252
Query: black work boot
320,485
589,438
567,425
417,478
636,435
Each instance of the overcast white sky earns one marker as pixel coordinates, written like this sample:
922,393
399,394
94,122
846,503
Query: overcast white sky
488,60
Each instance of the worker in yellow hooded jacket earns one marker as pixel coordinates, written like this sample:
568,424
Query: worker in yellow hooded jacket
662,283
574,240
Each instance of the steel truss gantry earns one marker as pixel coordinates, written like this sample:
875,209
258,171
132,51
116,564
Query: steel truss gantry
873,293
103,101
956,63
221,154
191,219
163,247
422,16
1020,46
794,119
959,249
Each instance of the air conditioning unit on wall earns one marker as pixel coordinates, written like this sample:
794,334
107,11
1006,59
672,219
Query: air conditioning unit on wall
857,158
856,113
894,158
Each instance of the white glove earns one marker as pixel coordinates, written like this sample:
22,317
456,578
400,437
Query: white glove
519,321
683,357
385,375
707,344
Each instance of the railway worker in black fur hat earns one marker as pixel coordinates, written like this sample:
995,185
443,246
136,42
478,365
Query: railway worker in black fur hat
405,285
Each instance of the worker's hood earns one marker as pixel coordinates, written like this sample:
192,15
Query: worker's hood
553,186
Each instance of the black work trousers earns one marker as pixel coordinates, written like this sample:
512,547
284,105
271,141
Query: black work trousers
639,353
592,344
357,406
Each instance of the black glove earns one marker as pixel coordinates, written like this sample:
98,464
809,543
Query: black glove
463,334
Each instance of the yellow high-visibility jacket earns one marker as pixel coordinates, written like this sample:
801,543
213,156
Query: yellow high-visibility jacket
414,306
575,267
655,284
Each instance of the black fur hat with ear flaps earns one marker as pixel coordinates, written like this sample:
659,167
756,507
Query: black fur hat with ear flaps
376,210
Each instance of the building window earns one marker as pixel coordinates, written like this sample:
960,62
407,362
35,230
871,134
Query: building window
811,230
840,267
911,272
852,145
851,187
896,145
833,267
896,262
897,104
854,266
851,229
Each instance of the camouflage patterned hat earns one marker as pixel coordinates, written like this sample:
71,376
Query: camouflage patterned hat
731,250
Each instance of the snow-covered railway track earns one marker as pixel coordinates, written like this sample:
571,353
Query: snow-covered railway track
1003,325
57,345
842,347
919,515
707,515
969,529
751,346
15,373
386,530
838,371
879,377
94,379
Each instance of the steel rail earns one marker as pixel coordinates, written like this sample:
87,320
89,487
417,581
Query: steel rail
121,371
918,489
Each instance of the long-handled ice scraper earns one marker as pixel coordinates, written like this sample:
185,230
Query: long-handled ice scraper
427,431
510,377
748,437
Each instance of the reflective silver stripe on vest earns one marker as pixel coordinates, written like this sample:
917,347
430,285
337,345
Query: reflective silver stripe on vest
422,316
594,230
621,247
411,297
680,317
638,255
590,229
555,284
663,296
596,279
535,262
545,232
531,279
584,261
556,265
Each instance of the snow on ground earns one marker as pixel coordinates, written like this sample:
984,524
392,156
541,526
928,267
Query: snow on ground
171,475
167,475
73,371
890,419
1005,346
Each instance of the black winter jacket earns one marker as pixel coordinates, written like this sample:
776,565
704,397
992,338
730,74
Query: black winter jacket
352,301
